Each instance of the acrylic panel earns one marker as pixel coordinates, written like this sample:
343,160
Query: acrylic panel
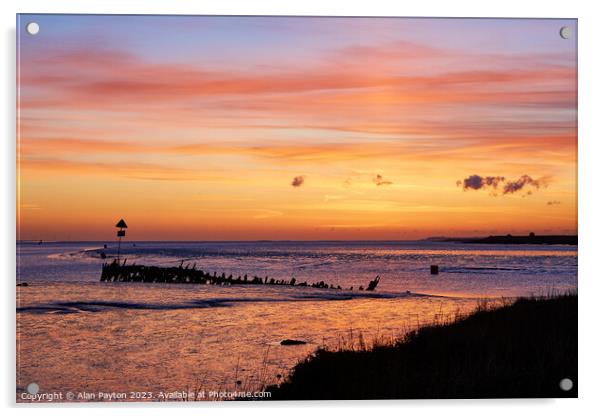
293,208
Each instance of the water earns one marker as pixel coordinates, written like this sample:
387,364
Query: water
76,334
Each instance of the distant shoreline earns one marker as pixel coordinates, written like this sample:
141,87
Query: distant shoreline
571,240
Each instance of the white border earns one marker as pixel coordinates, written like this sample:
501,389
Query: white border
590,135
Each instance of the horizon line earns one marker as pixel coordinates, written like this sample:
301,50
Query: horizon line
432,238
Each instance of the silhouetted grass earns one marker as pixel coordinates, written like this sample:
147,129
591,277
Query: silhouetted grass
514,349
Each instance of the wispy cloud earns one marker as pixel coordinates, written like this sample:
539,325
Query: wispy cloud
34,207
255,213
511,187
267,213
292,151
138,171
126,81
379,180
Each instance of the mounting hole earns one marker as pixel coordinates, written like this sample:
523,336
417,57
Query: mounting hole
32,28
565,32
566,384
33,388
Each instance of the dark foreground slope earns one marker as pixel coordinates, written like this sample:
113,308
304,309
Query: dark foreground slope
520,350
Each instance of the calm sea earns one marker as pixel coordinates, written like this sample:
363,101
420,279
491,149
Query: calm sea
75,334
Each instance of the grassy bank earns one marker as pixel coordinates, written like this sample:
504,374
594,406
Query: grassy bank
521,349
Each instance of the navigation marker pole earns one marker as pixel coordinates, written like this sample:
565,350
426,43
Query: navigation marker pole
121,233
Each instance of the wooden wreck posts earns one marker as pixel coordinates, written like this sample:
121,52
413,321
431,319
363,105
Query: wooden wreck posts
103,273
373,283
122,272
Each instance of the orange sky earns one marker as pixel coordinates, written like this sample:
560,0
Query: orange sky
194,140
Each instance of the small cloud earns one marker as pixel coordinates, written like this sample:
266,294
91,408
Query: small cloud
378,180
298,181
477,182
553,202
511,187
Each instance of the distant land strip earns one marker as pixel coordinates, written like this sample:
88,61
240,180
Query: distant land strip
517,239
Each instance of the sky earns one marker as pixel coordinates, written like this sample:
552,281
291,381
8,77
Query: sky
291,128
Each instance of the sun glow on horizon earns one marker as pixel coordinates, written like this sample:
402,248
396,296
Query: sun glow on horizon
295,128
